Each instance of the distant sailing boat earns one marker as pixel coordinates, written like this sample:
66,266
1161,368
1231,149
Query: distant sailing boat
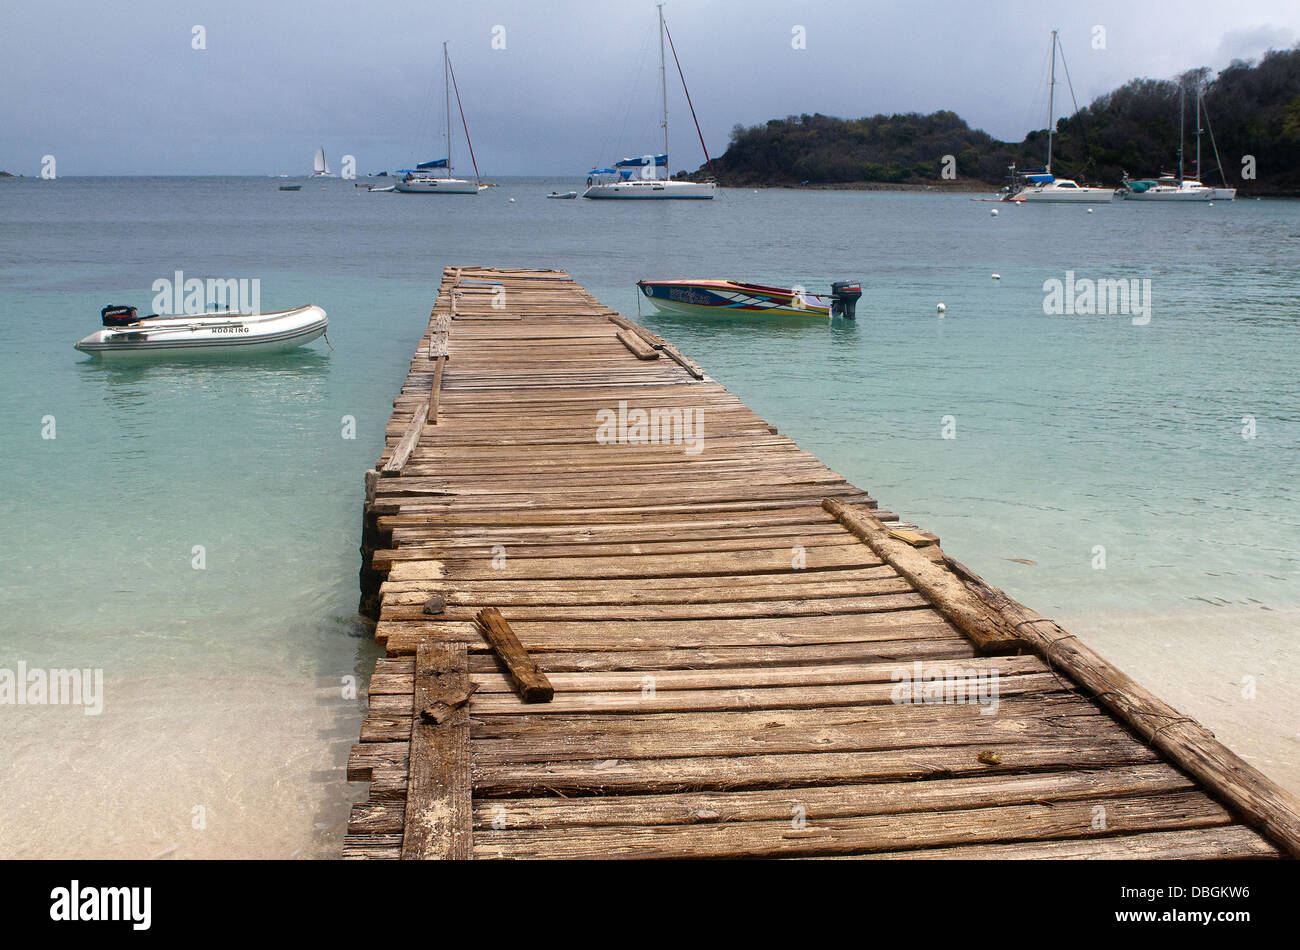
322,167
1169,187
1226,193
647,184
1043,185
422,179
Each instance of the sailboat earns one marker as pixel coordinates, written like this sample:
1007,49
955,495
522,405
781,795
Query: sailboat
1043,185
639,177
1225,193
321,166
1170,187
435,177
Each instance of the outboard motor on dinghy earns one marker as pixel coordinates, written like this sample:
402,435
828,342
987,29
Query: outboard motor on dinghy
115,316
844,298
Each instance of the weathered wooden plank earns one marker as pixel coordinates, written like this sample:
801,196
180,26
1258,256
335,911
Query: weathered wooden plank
640,349
814,803
1203,844
797,837
435,390
936,583
439,817
393,467
526,679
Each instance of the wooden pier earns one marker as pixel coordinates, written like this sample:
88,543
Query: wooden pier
747,656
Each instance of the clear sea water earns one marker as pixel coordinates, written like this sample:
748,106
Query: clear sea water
227,711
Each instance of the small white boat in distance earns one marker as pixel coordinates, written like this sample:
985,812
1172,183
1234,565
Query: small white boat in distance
567,194
321,168
125,333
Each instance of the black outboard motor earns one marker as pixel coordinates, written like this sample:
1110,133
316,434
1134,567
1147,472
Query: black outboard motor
844,298
115,316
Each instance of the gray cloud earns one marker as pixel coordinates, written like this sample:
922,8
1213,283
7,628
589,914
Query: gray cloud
116,89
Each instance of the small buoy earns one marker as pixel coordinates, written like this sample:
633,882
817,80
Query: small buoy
512,199
1211,204
997,276
1089,211
941,309
993,212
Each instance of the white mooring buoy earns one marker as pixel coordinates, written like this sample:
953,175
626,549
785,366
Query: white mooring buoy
940,310
997,276
993,212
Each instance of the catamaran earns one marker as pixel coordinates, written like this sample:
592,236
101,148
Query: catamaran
435,177
1043,185
639,177
321,166
1170,187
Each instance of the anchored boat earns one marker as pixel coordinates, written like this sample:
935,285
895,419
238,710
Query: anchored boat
125,332
1042,185
734,298
638,178
435,177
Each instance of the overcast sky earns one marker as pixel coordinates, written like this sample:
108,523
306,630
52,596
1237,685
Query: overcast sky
117,88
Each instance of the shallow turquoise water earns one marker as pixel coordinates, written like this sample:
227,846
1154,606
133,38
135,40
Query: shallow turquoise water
225,686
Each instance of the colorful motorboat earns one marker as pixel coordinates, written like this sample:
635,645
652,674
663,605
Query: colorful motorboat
734,298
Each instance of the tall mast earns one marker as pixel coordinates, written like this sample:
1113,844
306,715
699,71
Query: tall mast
1051,105
446,83
1182,97
1198,131
663,78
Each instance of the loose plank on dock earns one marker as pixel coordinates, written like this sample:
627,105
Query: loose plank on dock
726,624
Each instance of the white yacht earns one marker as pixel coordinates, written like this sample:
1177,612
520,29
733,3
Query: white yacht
435,178
1043,185
1047,187
634,178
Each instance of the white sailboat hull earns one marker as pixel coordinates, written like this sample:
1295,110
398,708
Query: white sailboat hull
209,333
437,186
1052,193
1171,194
652,189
